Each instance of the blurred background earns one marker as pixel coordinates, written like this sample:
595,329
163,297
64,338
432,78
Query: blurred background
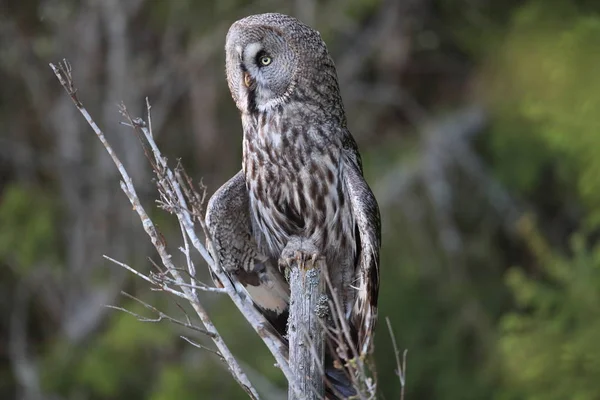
479,126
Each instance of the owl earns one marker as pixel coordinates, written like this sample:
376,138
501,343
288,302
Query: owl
301,176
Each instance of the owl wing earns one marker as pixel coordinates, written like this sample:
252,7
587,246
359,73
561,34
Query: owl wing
229,226
368,226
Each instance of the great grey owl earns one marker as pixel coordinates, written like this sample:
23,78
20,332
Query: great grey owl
301,176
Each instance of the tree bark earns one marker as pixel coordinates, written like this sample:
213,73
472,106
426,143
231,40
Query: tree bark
308,307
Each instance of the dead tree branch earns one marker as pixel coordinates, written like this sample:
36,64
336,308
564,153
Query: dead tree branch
186,209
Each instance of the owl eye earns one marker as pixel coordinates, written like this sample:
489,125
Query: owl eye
265,60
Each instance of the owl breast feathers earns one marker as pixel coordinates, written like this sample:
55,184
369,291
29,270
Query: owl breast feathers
301,174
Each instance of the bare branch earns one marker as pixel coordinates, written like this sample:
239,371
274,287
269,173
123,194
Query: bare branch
202,286
198,345
128,268
161,316
63,73
186,249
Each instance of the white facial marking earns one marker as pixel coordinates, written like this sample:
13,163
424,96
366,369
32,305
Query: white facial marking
250,53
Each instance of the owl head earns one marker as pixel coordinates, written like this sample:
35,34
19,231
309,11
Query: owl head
273,58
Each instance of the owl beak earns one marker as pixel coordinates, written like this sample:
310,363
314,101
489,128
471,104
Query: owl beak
248,81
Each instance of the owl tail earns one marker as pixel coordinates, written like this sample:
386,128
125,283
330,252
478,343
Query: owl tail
338,385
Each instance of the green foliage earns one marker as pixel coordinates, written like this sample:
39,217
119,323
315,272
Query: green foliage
135,360
28,221
546,75
357,9
112,364
442,315
173,384
549,346
250,350
545,96
519,155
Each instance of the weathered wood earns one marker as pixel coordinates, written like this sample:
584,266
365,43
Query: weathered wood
308,305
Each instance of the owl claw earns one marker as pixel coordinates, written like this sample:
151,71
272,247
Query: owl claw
298,253
313,259
306,260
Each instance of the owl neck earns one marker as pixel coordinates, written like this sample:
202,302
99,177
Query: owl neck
292,128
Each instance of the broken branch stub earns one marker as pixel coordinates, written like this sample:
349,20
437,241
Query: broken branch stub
308,306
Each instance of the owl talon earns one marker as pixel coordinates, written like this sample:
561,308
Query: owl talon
298,252
313,260
285,263
304,260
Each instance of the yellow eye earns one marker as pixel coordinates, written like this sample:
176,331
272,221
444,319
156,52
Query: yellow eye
265,60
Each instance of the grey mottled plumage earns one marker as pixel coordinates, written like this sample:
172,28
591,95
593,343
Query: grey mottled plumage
301,175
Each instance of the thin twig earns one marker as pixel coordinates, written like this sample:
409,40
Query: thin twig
404,353
401,372
161,316
198,345
203,287
186,248
160,286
